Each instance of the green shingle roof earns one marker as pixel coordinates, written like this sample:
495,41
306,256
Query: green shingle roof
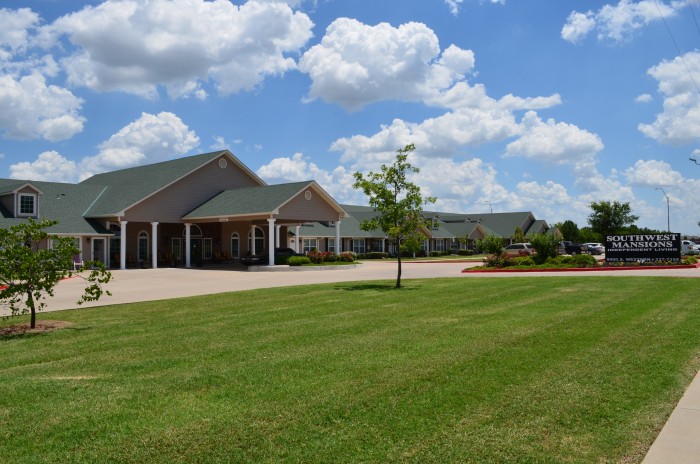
126,187
248,201
65,203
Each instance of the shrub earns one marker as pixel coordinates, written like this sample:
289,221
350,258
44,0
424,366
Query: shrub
318,257
546,246
523,261
585,261
491,245
465,252
279,260
298,260
499,260
331,258
377,255
435,253
347,256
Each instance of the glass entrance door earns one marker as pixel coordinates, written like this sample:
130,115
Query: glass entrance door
99,250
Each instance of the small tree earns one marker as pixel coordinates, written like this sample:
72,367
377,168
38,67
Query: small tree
610,218
397,202
28,273
491,245
518,236
411,244
546,246
569,230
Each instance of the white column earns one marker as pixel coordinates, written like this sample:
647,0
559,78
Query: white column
271,242
297,240
277,236
188,241
252,240
338,248
154,245
383,249
122,245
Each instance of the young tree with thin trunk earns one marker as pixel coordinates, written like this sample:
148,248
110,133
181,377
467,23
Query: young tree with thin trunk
397,202
29,270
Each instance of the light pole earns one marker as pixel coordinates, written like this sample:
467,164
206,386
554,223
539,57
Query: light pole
668,211
490,207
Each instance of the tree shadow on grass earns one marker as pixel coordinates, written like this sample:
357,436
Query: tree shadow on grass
374,286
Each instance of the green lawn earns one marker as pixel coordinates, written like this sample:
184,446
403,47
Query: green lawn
531,370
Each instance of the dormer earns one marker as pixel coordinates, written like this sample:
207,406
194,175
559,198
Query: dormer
21,200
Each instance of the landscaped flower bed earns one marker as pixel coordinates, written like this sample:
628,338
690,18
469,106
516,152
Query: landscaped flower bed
505,262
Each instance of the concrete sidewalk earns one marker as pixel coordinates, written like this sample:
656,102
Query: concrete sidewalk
678,442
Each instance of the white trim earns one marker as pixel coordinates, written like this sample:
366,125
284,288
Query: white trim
35,202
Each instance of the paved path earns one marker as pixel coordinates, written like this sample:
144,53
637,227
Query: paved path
678,442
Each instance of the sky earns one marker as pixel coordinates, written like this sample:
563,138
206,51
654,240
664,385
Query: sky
538,105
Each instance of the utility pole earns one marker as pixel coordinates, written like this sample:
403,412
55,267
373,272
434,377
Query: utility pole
668,210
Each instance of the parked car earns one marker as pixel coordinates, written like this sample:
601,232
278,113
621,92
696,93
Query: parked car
571,248
594,248
263,258
519,249
689,248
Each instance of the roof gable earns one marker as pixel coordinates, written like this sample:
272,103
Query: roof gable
128,187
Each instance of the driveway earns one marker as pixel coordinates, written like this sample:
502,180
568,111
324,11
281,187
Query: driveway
134,285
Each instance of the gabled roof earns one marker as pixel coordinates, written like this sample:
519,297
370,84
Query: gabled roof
65,203
248,201
536,227
252,201
128,187
10,186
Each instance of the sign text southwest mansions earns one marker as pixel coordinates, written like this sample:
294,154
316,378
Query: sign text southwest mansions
647,247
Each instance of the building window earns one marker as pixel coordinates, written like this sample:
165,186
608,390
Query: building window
27,204
207,248
440,245
309,244
358,245
425,247
176,248
143,246
259,241
331,245
235,245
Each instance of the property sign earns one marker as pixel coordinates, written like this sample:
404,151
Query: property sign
639,248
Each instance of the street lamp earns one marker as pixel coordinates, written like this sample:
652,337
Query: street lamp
668,211
490,207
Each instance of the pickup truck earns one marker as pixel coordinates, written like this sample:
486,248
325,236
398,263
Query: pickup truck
571,248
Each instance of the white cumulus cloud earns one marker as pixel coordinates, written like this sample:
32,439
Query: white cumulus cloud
679,123
135,46
551,141
49,166
619,22
653,173
14,30
32,109
149,139
356,64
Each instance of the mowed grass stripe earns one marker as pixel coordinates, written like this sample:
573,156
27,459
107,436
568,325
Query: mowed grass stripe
448,370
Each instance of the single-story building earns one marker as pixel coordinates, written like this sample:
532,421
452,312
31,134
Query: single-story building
212,208
186,211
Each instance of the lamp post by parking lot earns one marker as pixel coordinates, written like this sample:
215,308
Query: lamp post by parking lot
668,211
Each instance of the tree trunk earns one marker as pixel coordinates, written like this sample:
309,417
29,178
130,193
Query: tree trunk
398,275
30,303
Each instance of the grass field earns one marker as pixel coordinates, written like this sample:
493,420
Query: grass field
546,370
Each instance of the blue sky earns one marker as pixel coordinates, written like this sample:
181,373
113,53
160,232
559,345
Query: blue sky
540,106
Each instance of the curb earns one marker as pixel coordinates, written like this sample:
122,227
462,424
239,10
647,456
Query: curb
587,269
